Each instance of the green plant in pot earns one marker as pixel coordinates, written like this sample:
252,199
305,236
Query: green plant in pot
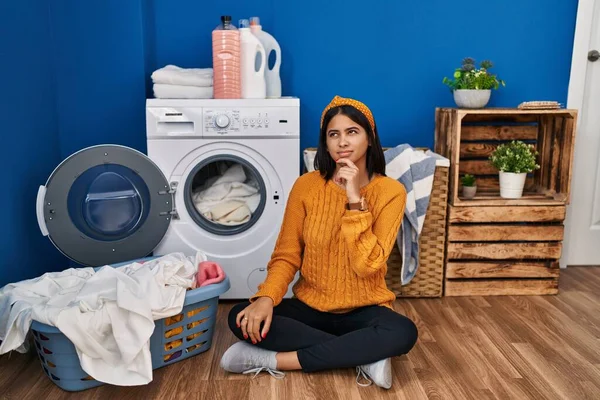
514,160
473,86
469,186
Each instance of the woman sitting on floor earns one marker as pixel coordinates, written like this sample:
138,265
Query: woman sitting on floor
339,227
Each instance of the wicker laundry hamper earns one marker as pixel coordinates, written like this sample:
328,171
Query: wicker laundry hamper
429,279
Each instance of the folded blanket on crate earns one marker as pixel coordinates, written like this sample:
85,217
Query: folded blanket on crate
174,75
415,169
107,313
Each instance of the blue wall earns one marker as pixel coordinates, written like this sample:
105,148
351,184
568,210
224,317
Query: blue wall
99,61
390,54
84,67
29,122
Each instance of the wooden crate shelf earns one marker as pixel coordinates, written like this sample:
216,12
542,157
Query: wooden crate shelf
497,214
468,137
503,250
492,270
497,246
508,287
505,232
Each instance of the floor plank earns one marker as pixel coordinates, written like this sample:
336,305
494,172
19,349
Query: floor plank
495,347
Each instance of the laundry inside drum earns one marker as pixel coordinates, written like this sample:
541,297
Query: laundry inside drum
227,193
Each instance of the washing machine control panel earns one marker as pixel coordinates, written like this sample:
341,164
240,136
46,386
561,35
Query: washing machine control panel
251,121
221,121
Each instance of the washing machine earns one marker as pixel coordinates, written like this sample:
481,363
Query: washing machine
247,150
215,179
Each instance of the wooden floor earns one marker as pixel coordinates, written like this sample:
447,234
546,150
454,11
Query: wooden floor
529,347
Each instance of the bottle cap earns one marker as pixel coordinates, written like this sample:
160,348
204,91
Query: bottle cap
244,23
254,21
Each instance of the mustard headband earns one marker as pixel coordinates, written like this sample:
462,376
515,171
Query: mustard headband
342,101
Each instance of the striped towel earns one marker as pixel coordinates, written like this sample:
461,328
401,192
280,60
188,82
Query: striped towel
415,170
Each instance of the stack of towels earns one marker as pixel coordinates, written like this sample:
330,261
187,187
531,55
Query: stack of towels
173,82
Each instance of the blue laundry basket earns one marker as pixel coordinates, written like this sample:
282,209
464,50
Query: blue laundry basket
176,338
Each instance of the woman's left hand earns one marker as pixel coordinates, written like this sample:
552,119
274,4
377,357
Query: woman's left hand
348,176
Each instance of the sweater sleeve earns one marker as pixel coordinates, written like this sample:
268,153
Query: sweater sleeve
370,241
287,256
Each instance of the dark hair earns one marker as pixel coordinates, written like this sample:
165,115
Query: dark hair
375,158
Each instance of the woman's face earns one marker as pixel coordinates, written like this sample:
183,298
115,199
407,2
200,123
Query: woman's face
347,139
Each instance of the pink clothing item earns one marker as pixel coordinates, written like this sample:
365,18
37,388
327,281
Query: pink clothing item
209,272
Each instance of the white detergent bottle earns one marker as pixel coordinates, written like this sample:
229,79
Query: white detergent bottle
252,63
270,44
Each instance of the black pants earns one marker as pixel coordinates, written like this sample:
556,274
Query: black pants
326,340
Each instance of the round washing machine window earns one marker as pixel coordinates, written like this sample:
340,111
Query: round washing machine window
225,194
108,202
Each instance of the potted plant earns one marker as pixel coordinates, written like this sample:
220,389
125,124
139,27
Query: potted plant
473,86
469,188
514,160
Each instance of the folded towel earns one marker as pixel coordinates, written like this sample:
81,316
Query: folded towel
209,272
415,170
163,91
174,75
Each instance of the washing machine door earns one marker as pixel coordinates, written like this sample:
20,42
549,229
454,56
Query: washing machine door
105,204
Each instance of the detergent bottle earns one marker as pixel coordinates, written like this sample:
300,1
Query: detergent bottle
253,61
272,77
226,60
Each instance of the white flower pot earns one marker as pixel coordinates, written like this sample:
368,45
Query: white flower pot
469,191
511,184
472,98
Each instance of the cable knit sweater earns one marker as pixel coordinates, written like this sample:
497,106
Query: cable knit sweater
341,254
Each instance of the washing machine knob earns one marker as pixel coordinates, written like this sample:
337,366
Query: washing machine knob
222,121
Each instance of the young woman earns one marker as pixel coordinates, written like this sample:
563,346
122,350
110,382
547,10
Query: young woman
338,230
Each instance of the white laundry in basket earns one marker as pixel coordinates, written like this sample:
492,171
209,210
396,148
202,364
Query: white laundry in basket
93,308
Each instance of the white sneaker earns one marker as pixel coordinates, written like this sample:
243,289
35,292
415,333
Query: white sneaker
243,358
379,372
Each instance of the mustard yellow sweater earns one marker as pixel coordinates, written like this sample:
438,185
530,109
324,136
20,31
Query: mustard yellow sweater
341,254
